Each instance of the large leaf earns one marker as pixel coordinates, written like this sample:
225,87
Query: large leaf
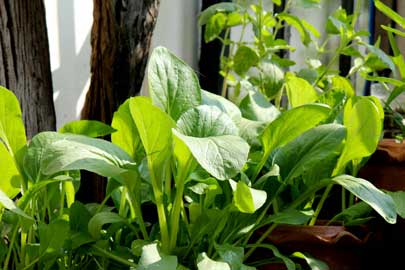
10,178
221,103
126,136
213,139
51,152
154,127
256,107
290,125
12,131
9,204
153,259
382,203
247,199
89,128
312,155
52,236
364,126
173,85
299,91
399,200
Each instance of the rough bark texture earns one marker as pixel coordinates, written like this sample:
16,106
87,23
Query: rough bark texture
24,61
120,38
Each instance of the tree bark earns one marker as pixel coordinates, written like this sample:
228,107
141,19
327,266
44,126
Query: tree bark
24,62
120,39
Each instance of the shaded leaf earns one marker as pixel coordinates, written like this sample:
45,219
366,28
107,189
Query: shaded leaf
91,128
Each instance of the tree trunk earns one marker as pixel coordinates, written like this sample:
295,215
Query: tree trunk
24,62
120,39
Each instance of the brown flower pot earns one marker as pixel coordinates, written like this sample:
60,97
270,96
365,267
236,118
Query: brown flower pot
337,246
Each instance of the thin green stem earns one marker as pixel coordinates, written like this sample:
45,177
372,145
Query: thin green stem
343,199
320,204
13,238
261,239
135,208
115,257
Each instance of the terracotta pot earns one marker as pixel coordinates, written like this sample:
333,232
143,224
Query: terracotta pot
386,167
337,246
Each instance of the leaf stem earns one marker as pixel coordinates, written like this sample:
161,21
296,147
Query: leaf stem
320,204
115,257
264,236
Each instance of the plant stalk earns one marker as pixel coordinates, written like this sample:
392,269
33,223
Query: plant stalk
320,204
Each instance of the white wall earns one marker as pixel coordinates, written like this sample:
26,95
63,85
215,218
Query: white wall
69,24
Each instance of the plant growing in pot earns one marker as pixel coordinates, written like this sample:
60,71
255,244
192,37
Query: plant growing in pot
190,182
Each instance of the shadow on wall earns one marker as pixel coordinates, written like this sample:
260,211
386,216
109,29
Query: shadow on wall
69,24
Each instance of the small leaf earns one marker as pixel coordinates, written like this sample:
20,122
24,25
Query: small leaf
292,217
313,263
342,83
9,204
299,91
233,256
382,203
153,259
52,236
214,26
297,24
272,78
90,128
245,58
399,200
247,199
251,131
205,263
216,8
256,107
100,219
394,94
173,85
276,2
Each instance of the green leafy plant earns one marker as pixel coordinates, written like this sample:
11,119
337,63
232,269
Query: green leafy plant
257,64
191,177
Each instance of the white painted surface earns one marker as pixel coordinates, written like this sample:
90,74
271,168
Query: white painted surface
69,23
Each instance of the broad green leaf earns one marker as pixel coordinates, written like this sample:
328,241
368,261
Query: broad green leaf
214,26
100,219
90,128
312,155
52,236
364,126
9,204
251,131
173,85
205,263
313,263
397,18
154,127
79,217
394,94
245,58
206,121
291,124
12,131
357,212
221,103
213,139
399,200
297,24
342,83
299,91
216,8
126,136
292,217
256,107
10,180
51,152
382,203
233,256
153,259
247,199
